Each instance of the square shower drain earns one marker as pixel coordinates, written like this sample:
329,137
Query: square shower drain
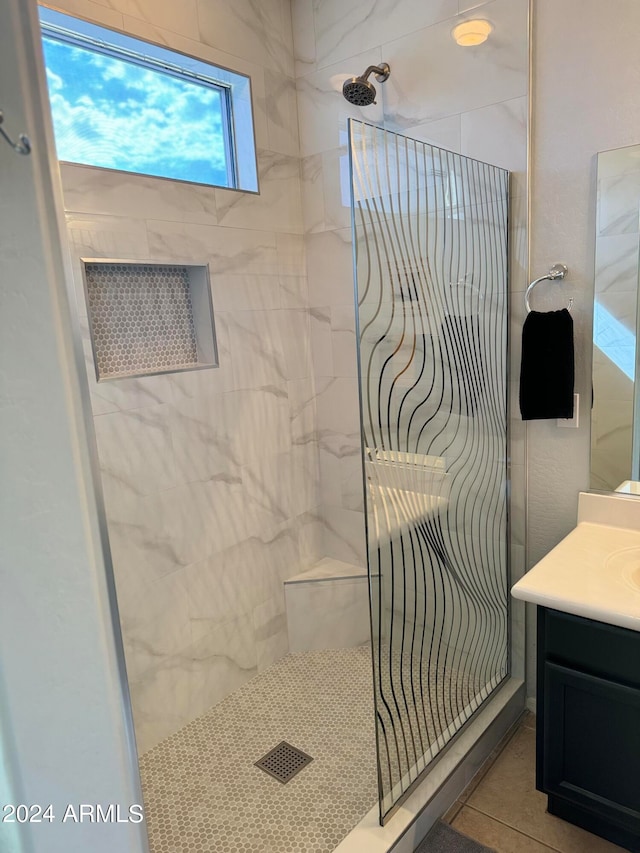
283,762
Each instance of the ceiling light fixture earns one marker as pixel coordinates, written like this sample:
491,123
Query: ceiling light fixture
472,32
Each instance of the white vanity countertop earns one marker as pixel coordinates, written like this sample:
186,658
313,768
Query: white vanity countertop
594,572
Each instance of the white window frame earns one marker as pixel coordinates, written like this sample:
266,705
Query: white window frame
234,89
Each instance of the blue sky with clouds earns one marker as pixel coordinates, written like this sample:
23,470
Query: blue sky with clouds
116,114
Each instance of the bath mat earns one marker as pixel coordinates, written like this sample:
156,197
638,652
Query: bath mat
445,839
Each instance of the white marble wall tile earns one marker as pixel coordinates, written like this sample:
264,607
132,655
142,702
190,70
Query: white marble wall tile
340,463
202,447
294,332
258,31
327,614
343,535
302,411
330,466
433,77
228,250
105,237
219,662
304,475
313,208
245,292
281,555
118,194
160,700
126,394
141,544
192,384
336,188
164,13
200,518
230,583
282,113
338,412
136,448
258,355
276,208
343,341
155,623
92,10
291,254
304,36
225,517
497,134
257,422
230,638
310,535
267,482
330,260
351,484
343,31
444,133
294,291
321,343
270,631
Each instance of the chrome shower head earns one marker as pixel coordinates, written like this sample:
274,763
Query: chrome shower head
358,90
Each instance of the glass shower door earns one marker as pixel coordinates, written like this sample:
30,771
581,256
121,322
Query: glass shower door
430,238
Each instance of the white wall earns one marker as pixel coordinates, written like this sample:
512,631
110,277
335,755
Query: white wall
65,729
210,477
586,79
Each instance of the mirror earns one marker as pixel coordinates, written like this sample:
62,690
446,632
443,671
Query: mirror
615,419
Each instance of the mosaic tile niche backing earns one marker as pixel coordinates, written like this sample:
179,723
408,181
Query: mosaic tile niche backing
141,318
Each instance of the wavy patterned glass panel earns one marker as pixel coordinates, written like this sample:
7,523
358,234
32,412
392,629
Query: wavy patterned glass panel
431,269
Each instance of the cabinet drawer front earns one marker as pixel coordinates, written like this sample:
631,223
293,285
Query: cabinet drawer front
604,650
592,744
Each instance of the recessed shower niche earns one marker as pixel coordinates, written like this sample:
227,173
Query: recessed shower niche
148,317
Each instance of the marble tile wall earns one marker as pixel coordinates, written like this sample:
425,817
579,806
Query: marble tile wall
471,100
211,478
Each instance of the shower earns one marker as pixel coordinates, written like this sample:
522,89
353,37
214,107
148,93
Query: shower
358,90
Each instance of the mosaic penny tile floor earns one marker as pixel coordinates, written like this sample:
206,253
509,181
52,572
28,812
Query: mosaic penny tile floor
203,793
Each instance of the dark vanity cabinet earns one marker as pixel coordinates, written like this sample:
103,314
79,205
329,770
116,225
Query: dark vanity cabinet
588,724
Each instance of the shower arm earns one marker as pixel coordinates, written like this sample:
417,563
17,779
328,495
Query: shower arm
381,72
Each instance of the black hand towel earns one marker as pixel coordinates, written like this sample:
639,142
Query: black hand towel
547,371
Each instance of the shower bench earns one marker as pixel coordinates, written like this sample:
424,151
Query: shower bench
327,607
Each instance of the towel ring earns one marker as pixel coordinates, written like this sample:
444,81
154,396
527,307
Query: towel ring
557,271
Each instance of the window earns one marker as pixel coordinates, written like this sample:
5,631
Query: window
121,103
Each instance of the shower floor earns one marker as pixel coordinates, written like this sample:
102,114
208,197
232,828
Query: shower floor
203,794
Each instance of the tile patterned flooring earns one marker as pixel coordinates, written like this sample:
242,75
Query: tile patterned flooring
502,809
203,793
